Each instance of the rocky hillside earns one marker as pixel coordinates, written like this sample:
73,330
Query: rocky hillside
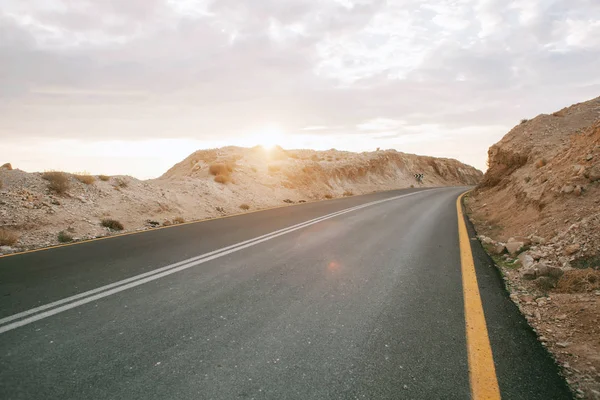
42,209
537,210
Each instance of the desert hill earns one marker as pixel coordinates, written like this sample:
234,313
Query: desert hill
41,209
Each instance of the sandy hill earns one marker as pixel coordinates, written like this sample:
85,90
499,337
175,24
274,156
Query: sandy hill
36,207
537,209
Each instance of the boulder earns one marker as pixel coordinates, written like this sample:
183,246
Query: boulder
529,274
572,249
538,239
525,260
514,247
496,249
525,240
567,189
593,174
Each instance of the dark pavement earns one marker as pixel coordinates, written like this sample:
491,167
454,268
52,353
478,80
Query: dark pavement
367,304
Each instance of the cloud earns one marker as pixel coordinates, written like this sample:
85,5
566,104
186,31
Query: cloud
199,69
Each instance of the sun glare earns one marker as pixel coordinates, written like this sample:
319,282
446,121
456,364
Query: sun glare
269,137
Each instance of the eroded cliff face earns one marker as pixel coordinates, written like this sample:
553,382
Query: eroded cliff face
537,210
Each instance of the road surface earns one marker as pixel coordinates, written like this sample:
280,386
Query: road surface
354,298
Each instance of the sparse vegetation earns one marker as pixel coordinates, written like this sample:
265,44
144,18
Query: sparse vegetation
348,193
220,209
222,171
85,178
222,178
8,238
288,201
104,178
58,182
178,220
64,237
112,224
245,207
524,120
121,183
328,196
579,281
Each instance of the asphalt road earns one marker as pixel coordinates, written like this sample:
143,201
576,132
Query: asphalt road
366,304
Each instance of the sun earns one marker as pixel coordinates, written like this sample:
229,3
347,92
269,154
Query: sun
269,137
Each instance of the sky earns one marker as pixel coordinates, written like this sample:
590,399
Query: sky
134,86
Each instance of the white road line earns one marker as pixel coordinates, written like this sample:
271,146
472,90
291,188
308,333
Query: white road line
156,271
104,291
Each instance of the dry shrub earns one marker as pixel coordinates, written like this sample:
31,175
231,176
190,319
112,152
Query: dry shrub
524,120
245,206
112,224
178,220
85,178
167,223
64,237
58,182
221,169
579,281
7,238
348,193
540,163
104,178
222,178
328,196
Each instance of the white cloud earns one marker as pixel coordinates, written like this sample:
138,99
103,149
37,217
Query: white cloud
405,72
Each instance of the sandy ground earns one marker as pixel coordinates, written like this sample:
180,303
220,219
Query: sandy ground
537,211
207,184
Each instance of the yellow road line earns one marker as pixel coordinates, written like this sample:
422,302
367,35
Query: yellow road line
482,372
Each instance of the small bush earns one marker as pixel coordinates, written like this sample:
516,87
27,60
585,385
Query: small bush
167,223
328,196
221,169
104,178
579,281
64,237
288,201
58,182
245,206
121,183
527,179
524,120
348,193
220,209
301,201
178,220
112,224
7,238
222,178
85,178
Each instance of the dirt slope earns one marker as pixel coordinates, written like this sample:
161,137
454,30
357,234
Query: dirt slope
253,178
537,210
